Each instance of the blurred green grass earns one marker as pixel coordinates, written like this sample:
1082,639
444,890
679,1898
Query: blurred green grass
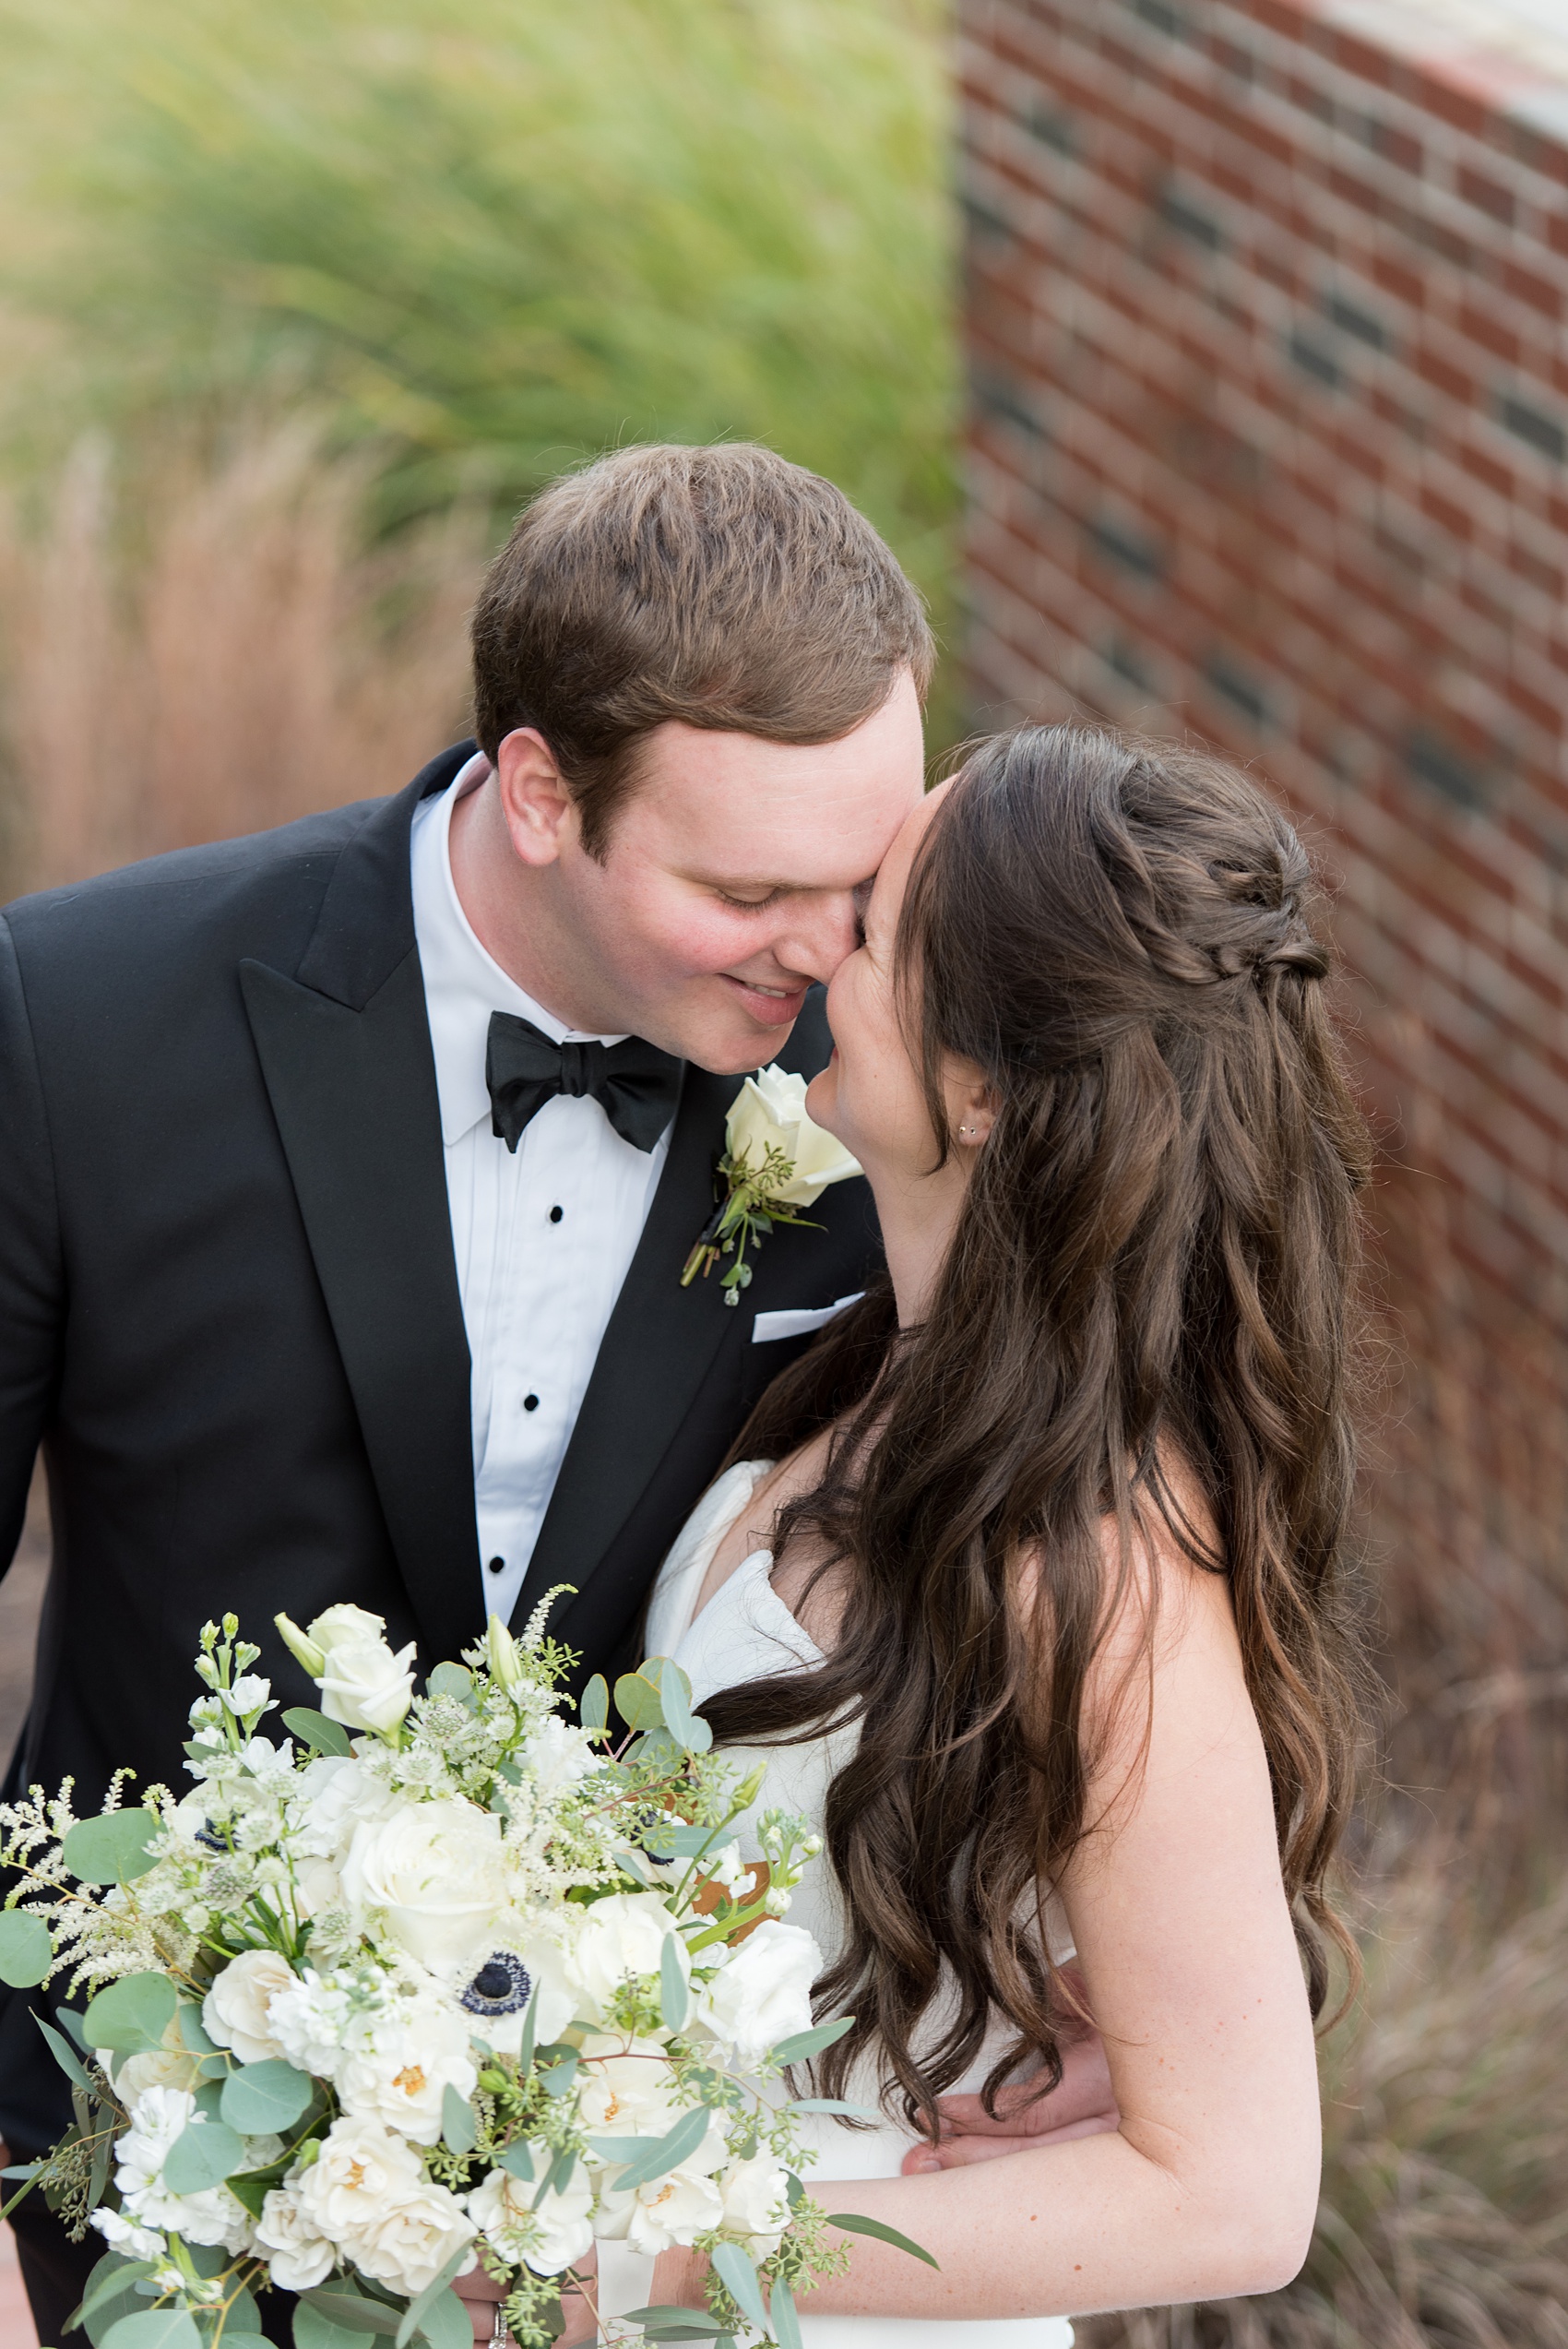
488,237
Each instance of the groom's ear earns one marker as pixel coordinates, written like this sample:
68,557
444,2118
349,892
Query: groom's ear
539,811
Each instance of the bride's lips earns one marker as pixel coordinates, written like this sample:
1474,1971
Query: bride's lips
769,1006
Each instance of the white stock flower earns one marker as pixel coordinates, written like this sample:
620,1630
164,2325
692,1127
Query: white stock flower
625,2087
727,1867
769,1111
368,2194
526,2222
756,2202
235,2010
763,1991
400,2070
298,2256
159,2117
123,2233
435,1871
618,1938
308,2021
558,1754
249,1694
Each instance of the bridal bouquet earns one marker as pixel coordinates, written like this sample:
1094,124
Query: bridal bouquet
436,1982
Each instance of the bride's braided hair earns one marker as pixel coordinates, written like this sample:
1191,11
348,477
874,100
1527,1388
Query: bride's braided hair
1153,1268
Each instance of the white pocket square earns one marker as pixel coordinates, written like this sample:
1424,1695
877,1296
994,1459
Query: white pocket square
799,1321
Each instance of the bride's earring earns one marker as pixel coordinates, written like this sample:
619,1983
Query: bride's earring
965,1133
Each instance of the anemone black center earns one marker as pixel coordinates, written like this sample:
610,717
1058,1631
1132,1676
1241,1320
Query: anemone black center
501,1986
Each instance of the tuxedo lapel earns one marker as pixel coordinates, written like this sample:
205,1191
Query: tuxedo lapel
344,1045
656,1350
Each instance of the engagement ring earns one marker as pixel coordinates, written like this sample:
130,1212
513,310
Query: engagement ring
498,2335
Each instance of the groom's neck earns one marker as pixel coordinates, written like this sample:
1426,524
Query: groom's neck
519,915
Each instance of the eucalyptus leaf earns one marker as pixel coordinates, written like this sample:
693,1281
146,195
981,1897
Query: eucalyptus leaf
530,2022
260,2100
558,2075
65,2054
113,2279
786,2323
312,2331
202,2155
852,2223
674,1999
191,2030
242,2319
457,2128
446,2323
517,2162
110,1850
250,2188
155,2329
26,1952
667,2151
638,1701
594,1710
696,2323
739,2277
70,2023
343,2307
802,2044
452,1680
131,2015
314,1729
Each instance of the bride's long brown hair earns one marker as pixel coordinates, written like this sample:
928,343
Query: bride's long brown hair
1154,1265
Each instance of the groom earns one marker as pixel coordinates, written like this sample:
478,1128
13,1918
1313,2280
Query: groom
347,1172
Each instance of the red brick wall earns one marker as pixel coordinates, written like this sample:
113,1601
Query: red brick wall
1268,442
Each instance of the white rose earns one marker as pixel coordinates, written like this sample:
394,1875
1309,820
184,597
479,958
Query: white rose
763,1991
339,1792
770,1112
756,2202
235,2010
411,2056
368,2194
298,2256
522,2222
162,2066
618,1938
435,1871
625,2087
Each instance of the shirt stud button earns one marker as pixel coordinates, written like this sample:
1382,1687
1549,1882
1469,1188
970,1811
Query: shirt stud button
530,1402
556,1214
498,1566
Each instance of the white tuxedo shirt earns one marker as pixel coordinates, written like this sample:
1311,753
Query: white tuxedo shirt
543,1238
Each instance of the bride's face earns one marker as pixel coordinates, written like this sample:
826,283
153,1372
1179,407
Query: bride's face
870,1095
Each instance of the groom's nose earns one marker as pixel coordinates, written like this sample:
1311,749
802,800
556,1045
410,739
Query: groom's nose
818,931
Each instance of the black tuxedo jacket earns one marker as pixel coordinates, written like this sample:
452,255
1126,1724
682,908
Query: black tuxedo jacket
229,1307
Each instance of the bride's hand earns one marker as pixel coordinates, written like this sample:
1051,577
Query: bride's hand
480,2295
1082,2104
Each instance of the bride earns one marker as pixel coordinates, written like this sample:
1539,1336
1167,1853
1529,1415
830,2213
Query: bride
1029,1580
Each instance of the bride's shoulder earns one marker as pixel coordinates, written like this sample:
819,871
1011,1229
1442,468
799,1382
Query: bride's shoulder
1148,1577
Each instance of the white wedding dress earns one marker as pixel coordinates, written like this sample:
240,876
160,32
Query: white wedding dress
744,1631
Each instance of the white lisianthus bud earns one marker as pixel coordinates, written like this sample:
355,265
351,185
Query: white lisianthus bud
364,1685
235,2010
502,1651
300,1646
770,1112
763,1992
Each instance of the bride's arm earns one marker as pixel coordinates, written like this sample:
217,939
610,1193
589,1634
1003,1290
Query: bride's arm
1208,2187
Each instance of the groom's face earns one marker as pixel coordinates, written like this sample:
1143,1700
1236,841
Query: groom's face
735,876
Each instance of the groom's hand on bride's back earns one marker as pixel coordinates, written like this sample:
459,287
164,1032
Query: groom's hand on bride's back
1083,2103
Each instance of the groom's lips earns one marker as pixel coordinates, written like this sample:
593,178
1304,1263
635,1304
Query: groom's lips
771,1007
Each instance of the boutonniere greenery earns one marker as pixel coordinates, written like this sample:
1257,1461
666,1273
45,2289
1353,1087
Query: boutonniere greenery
776,1161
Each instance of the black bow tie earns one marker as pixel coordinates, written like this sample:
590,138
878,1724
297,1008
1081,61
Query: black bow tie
634,1083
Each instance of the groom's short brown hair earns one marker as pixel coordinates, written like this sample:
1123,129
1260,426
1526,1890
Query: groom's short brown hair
719,586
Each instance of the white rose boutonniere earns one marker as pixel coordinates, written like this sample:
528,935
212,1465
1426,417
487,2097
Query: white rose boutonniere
776,1161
